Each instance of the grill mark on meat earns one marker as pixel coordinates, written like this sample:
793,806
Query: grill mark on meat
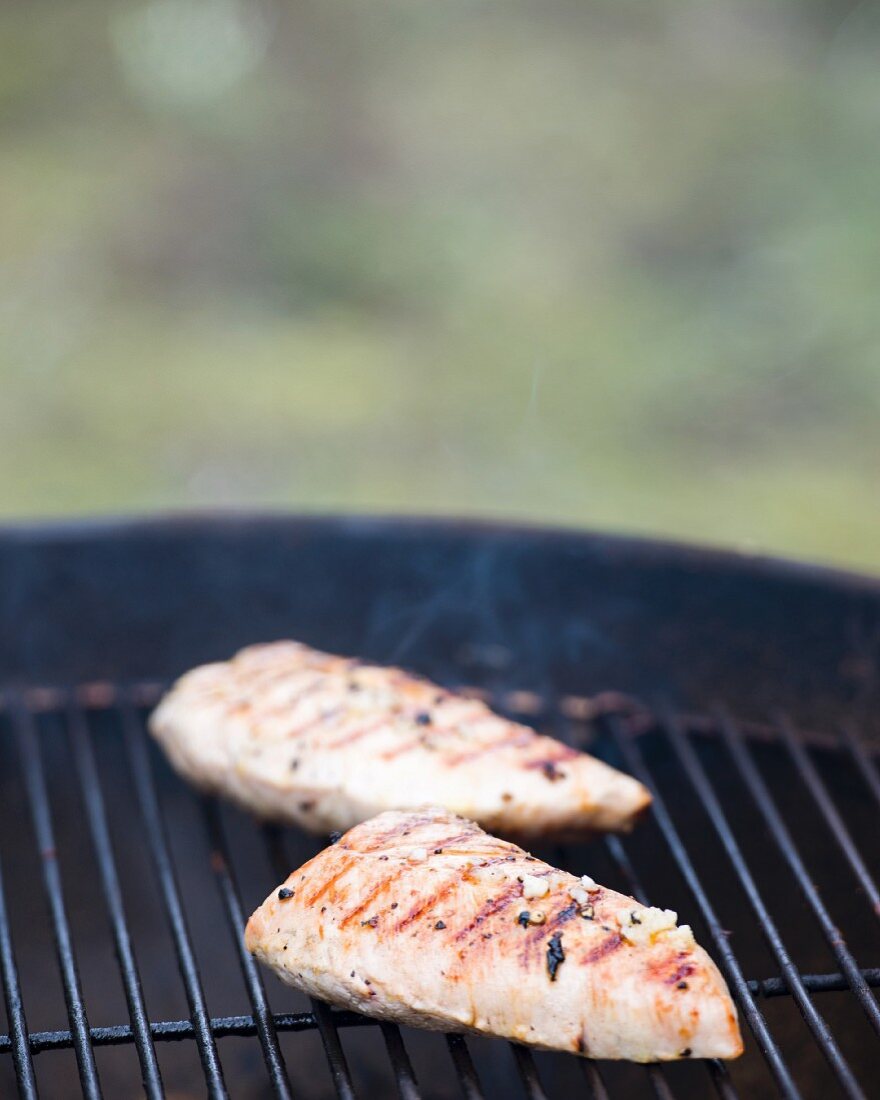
491,908
319,720
511,739
379,888
347,865
433,899
410,824
407,746
603,950
535,941
445,842
357,734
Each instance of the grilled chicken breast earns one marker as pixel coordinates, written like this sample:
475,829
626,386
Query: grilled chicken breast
423,918
323,742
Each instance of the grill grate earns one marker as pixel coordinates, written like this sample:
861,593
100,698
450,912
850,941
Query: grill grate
689,764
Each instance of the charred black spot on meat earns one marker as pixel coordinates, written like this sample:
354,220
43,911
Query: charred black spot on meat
555,955
284,893
551,771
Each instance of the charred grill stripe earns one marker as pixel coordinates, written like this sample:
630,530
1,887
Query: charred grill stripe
429,902
347,865
604,949
371,897
357,734
456,838
408,824
511,739
319,720
535,940
491,908
399,750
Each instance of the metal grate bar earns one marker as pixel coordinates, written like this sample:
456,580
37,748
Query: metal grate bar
528,1072
763,799
93,800
816,1023
767,1044
593,1080
41,815
246,1026
158,843
834,821
814,983
339,1070
866,766
229,893
172,1031
18,1040
407,1087
465,1068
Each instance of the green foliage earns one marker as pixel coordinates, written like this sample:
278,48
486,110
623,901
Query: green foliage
613,264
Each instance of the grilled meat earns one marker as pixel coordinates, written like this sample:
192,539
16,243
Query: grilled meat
423,918
323,742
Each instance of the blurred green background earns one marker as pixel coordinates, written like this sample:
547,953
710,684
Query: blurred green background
604,263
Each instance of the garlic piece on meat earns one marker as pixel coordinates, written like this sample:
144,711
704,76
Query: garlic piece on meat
534,887
581,891
643,924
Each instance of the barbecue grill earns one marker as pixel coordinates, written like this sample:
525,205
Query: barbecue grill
743,692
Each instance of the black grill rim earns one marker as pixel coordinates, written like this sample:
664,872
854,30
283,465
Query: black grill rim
76,553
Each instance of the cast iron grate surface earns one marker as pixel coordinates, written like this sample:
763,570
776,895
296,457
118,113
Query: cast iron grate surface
123,895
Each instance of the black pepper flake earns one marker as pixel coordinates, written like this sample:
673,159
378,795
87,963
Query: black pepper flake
284,893
306,806
423,718
438,699
555,955
530,859
551,771
394,905
335,838
524,918
438,851
439,925
682,985
588,912
294,764
633,919
383,857
686,1053
370,923
323,908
